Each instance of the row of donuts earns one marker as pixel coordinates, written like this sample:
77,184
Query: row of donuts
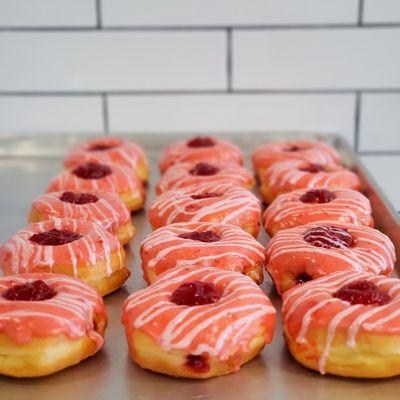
347,304
340,308
50,320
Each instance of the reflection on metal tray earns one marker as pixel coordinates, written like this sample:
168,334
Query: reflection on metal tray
26,166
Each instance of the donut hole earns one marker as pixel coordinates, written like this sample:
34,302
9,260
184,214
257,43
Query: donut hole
206,236
103,145
362,292
318,196
303,277
92,171
313,168
208,195
196,293
329,237
203,169
78,198
201,141
32,291
54,237
197,363
293,148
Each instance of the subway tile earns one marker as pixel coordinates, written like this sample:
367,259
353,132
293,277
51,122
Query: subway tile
227,12
384,171
380,122
101,61
54,114
47,13
316,59
183,113
381,11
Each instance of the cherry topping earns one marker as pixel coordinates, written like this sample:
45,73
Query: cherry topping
101,147
303,278
362,292
32,291
313,168
203,169
54,237
201,141
92,171
319,196
328,237
206,236
78,198
196,293
205,196
197,363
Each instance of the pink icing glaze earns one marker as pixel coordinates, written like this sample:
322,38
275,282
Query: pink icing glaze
69,312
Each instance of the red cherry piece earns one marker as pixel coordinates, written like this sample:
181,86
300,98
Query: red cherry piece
32,291
205,196
203,169
319,196
362,292
201,141
78,198
92,171
196,293
206,236
54,237
328,237
197,363
313,168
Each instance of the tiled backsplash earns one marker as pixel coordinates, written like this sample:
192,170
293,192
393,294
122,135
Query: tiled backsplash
178,65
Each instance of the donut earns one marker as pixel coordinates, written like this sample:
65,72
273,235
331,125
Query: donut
346,324
104,178
200,148
286,176
48,322
107,209
202,244
307,252
78,248
312,151
311,205
188,174
208,203
197,322
109,150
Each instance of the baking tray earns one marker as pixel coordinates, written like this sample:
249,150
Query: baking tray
28,163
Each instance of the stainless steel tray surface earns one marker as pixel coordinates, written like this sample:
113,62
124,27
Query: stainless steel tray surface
26,166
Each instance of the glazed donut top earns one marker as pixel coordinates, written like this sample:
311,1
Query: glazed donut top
305,150
106,150
98,177
303,206
200,149
228,323
287,175
204,203
188,174
58,241
343,302
69,310
105,208
201,244
361,247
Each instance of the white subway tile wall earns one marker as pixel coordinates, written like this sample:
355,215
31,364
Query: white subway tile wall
150,65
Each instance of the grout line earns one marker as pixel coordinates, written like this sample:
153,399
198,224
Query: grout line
233,92
357,116
200,28
360,13
98,14
106,125
229,65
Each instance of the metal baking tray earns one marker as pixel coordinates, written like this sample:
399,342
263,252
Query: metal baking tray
26,165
